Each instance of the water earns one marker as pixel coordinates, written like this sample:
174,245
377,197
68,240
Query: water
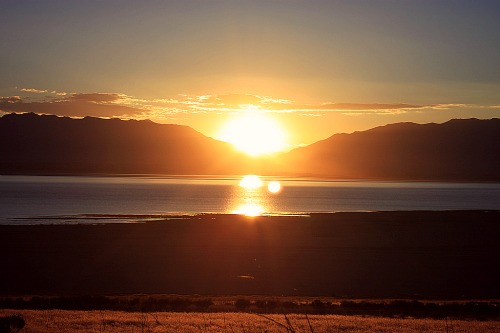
35,199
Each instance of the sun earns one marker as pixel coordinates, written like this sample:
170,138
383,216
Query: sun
254,133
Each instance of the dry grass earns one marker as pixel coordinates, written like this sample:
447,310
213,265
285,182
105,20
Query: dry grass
43,321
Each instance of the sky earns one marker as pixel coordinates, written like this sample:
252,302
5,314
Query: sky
316,67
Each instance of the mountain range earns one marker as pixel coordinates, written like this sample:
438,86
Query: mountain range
458,150
46,144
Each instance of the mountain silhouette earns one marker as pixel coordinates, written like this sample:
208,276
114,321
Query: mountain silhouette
43,144
460,149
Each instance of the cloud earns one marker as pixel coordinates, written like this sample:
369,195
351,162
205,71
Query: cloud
123,106
311,114
32,90
10,100
58,93
348,107
232,100
490,107
81,106
243,102
96,97
373,106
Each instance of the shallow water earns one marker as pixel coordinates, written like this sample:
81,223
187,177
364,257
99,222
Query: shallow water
41,199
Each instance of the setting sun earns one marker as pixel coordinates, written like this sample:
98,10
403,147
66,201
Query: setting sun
254,133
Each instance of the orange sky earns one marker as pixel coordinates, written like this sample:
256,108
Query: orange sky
303,123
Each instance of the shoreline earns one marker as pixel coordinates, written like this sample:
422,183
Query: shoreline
419,254
104,219
298,177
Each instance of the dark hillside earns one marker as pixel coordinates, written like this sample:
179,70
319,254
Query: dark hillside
456,150
32,143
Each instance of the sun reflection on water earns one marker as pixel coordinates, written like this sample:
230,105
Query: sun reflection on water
251,182
249,209
252,198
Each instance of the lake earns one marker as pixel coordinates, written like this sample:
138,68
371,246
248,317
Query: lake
49,200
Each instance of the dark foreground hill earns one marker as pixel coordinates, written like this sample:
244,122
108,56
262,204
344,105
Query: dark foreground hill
411,254
31,143
466,149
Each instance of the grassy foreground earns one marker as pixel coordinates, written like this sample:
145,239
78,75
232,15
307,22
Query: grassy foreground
42,321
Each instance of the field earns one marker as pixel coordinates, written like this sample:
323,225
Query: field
44,321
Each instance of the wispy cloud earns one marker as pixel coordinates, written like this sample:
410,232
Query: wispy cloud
32,90
10,100
490,107
95,97
124,106
72,105
238,102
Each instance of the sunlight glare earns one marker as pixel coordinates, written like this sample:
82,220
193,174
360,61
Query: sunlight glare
251,182
250,209
274,187
254,133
